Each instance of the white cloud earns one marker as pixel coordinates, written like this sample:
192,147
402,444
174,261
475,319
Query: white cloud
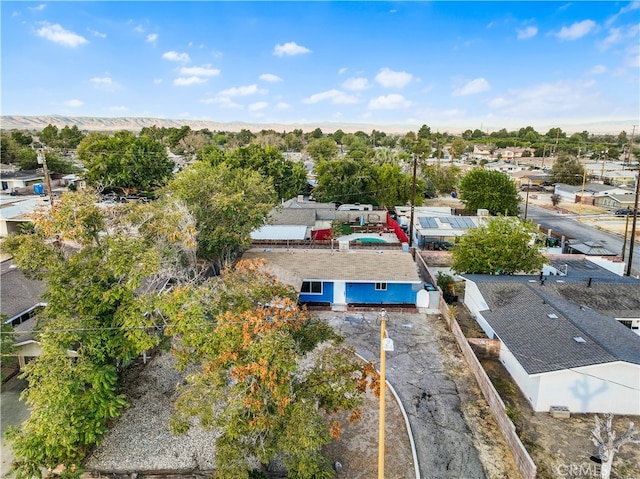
389,102
597,70
157,81
558,97
118,108
152,37
282,106
203,71
187,81
471,88
356,84
138,29
335,96
104,83
38,8
240,91
626,9
176,57
270,77
223,101
577,30
97,34
391,79
74,103
260,105
289,49
57,34
342,71
527,32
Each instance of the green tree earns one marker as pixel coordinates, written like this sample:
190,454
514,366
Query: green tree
124,161
504,245
227,204
70,137
7,346
345,181
489,190
289,178
443,179
457,148
49,135
322,149
268,375
393,187
567,169
93,324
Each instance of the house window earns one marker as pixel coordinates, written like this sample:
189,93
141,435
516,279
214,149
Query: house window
311,287
381,286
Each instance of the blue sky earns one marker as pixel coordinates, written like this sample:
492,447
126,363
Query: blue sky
446,64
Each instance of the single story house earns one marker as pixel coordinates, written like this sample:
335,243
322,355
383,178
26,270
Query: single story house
341,278
21,179
16,210
21,300
589,193
434,226
617,201
565,337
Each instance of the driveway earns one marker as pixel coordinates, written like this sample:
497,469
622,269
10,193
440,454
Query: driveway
12,412
416,369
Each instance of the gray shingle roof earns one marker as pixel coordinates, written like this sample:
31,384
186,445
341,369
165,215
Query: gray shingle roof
370,266
18,293
519,309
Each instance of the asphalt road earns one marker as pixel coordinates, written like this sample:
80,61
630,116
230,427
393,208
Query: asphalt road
569,226
415,369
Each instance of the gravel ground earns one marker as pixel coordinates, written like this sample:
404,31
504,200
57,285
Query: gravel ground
140,439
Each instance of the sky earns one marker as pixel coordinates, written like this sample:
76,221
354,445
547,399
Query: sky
446,64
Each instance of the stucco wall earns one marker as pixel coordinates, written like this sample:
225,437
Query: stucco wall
602,388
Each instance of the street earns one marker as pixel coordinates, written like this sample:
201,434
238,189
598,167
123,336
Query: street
571,228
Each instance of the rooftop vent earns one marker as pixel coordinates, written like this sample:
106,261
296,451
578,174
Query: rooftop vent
552,315
579,339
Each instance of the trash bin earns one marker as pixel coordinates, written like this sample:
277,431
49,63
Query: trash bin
38,189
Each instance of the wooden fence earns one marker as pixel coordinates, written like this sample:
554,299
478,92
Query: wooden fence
524,462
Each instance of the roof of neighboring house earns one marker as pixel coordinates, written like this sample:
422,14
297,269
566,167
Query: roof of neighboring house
592,248
327,265
626,198
18,293
292,216
23,175
541,324
594,188
280,232
20,209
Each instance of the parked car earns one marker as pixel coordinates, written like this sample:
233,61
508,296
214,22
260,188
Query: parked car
624,212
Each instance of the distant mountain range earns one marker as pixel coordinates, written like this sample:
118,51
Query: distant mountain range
89,123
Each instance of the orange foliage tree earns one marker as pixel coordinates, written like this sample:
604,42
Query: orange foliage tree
269,375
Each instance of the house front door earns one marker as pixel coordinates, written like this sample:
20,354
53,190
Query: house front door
339,295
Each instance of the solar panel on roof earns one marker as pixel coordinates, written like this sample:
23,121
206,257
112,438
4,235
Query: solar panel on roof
427,222
461,222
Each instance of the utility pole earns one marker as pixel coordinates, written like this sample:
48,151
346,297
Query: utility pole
633,225
42,159
628,155
386,344
413,200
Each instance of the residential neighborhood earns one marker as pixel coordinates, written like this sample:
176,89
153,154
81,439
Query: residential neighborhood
562,326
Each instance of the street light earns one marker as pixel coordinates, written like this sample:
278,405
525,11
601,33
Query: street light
386,344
